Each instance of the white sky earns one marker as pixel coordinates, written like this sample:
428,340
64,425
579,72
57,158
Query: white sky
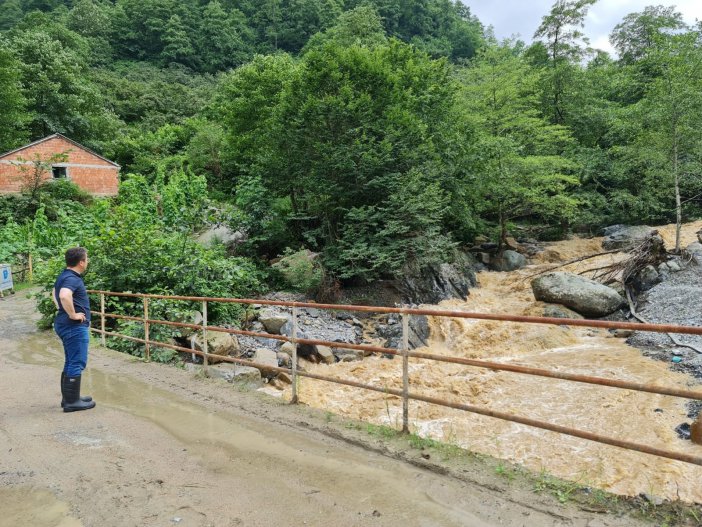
522,17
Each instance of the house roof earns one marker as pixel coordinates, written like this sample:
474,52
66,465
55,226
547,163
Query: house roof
52,136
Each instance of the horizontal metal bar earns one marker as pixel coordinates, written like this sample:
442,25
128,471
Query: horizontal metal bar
606,324
223,358
497,366
678,456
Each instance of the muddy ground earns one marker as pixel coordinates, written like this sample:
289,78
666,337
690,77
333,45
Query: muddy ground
166,447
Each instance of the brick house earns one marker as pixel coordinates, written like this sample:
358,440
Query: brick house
90,171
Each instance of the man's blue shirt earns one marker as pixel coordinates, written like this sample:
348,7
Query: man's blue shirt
81,303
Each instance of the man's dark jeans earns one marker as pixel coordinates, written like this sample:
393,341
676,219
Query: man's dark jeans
75,338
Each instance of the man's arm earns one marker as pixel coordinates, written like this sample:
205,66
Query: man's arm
66,298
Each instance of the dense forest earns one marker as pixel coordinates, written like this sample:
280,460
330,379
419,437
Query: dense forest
371,132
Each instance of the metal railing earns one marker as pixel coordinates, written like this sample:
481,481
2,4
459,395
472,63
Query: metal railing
404,394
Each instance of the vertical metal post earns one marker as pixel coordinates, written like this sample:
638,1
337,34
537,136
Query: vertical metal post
405,373
204,335
294,399
102,318
147,346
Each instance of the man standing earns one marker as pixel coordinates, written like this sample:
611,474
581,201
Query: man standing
71,325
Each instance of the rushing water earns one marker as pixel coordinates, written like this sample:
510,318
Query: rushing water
639,417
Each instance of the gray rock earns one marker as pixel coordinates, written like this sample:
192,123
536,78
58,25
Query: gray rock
558,311
348,355
218,343
434,283
247,375
418,333
266,359
695,250
623,237
284,360
220,233
273,320
235,373
646,279
582,295
326,354
509,261
287,348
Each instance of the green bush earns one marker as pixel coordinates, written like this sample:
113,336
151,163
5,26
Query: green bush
301,270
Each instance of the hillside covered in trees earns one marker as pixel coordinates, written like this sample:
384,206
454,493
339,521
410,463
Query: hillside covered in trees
372,132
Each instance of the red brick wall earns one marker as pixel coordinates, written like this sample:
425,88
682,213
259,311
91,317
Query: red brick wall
89,172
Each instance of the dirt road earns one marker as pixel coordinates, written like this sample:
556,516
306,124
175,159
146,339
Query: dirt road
163,448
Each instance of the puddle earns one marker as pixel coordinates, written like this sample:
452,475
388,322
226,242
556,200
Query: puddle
34,508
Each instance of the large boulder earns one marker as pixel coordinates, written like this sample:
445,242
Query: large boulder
508,261
266,360
695,250
625,237
433,283
218,343
273,320
582,295
222,234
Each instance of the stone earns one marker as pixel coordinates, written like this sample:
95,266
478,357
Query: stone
325,354
674,266
558,311
265,359
235,373
222,234
247,375
695,250
284,360
272,320
646,279
218,343
348,355
585,296
625,237
284,377
433,283
288,348
508,261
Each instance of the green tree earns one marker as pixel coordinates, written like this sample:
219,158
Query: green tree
178,46
560,32
223,39
670,113
639,33
13,115
517,153
10,14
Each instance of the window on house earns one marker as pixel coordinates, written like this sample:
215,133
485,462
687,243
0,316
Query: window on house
59,172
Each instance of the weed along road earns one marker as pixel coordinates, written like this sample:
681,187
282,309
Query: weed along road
163,447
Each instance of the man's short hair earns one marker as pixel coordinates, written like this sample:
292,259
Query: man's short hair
75,255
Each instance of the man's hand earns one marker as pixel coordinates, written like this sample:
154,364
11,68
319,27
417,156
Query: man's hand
78,316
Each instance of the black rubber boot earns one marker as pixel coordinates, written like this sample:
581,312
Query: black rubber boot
71,394
84,398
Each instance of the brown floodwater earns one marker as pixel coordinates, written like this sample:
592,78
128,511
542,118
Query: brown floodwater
639,417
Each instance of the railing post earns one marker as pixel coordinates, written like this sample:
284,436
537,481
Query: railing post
293,399
102,318
405,373
204,336
147,346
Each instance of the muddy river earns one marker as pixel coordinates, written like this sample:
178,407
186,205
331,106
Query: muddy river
640,417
